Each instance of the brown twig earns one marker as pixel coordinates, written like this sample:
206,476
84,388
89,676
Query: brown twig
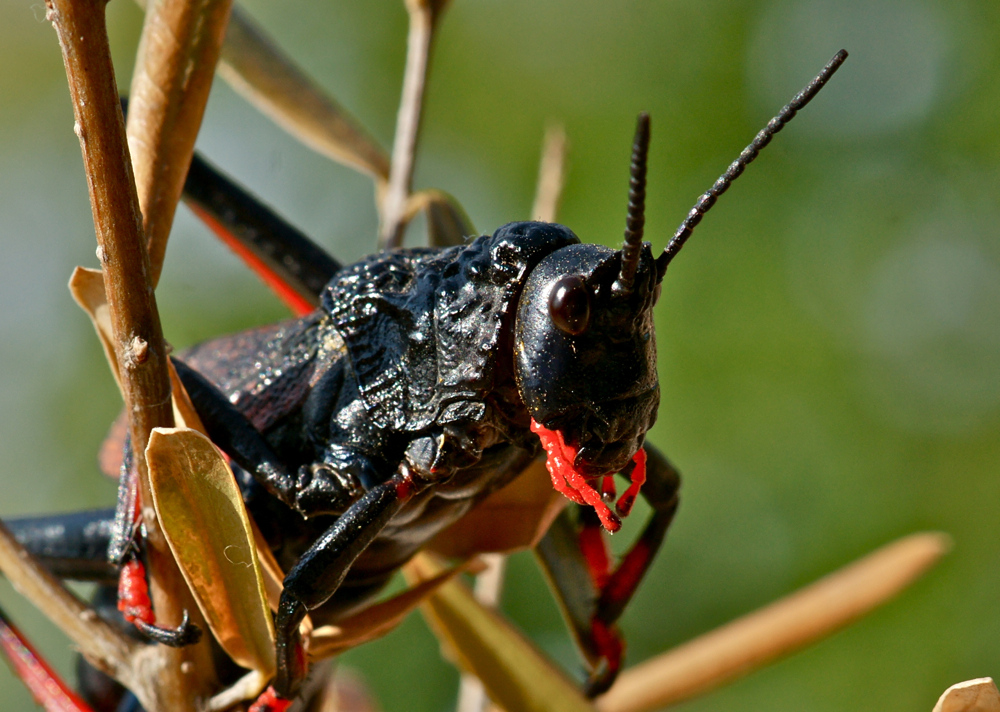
139,347
778,629
102,644
551,175
173,75
423,16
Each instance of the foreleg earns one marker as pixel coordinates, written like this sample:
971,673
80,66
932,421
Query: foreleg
321,570
592,595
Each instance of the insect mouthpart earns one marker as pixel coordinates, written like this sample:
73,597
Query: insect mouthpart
570,480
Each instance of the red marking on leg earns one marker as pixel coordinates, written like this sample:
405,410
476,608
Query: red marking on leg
595,553
560,465
638,479
626,578
609,645
404,486
299,305
269,701
608,487
48,689
133,593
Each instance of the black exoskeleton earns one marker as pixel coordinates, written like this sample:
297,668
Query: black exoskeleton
416,389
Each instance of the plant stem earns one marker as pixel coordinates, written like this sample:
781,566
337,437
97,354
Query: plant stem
139,346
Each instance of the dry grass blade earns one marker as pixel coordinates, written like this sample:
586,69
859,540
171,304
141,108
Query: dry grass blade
138,337
255,67
487,590
778,629
551,175
979,695
104,646
423,17
515,674
173,75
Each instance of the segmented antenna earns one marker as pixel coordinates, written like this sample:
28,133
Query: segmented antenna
636,219
707,200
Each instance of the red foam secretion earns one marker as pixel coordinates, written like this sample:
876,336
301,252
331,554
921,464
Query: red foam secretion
270,702
569,481
133,593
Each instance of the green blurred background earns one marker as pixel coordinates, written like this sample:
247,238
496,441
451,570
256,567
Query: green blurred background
829,340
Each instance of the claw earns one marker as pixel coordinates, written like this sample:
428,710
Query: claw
608,641
185,634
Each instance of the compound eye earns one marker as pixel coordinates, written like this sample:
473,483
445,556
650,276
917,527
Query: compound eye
569,305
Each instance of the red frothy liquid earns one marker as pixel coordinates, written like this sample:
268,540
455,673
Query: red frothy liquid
570,482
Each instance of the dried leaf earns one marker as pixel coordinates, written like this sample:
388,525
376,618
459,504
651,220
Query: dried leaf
979,695
515,674
775,630
376,620
194,492
173,74
87,287
268,78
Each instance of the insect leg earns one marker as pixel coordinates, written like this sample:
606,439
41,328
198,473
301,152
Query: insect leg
72,546
592,596
321,570
291,264
48,689
312,490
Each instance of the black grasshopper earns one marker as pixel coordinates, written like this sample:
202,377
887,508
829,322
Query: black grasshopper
415,390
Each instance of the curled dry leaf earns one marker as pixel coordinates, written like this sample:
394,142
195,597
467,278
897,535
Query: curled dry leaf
447,222
979,695
173,75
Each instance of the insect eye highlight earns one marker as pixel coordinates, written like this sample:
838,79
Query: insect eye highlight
569,305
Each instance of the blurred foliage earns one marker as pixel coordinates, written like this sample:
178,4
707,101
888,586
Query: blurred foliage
829,340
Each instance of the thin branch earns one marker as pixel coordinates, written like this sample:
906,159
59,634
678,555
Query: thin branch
101,643
175,66
139,347
423,16
551,175
786,625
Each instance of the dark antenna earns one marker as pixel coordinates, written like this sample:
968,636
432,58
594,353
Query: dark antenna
707,200
636,219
